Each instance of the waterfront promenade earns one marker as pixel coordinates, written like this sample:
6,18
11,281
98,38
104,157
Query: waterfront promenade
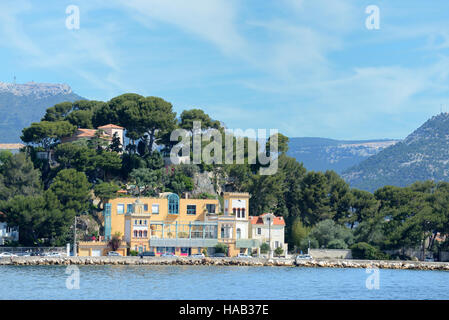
319,263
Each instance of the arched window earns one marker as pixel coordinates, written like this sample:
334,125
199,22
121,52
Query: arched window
243,212
135,233
238,213
140,234
173,204
239,233
145,234
234,211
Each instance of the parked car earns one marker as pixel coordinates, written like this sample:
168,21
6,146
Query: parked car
243,255
304,257
147,254
197,255
24,254
7,255
168,254
219,255
429,259
54,254
114,253
36,254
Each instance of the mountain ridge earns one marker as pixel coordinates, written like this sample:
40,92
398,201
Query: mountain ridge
422,155
22,104
321,154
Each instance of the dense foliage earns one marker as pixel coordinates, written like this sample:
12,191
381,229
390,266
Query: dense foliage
42,197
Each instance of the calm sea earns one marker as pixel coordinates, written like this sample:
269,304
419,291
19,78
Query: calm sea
203,282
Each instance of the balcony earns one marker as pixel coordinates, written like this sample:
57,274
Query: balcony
247,243
183,242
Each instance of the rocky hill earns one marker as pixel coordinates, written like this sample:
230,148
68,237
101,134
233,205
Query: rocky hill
321,154
22,104
423,155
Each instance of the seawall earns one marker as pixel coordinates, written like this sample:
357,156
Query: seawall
322,263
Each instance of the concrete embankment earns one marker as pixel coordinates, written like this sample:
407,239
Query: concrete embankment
409,265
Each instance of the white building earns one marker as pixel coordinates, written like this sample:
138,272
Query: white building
7,233
269,229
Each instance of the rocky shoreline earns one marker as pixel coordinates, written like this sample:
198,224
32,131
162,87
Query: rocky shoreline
321,263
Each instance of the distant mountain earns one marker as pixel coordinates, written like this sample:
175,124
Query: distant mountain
321,154
423,155
22,104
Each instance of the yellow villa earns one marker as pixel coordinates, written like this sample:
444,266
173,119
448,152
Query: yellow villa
180,226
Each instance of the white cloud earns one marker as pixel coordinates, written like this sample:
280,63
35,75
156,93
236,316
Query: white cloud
213,21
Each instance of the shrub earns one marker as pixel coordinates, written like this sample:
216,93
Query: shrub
221,248
363,250
278,251
133,253
264,247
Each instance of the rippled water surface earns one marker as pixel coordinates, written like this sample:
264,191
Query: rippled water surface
204,282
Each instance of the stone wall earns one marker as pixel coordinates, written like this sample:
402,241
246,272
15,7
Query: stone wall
330,254
257,262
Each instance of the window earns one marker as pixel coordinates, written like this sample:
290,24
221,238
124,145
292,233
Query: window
243,213
234,211
155,209
129,208
135,222
210,208
173,204
259,230
145,208
135,233
239,233
191,209
145,233
238,213
120,209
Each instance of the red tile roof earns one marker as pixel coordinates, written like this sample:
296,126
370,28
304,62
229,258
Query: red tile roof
11,146
258,220
85,133
113,126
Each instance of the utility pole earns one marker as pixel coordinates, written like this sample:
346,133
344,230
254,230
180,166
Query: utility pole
269,235
74,239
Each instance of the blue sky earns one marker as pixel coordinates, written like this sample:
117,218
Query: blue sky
305,67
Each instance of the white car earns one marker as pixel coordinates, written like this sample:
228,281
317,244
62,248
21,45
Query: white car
7,255
304,257
114,253
197,255
243,255
54,254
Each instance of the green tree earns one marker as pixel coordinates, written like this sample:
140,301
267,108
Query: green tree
72,190
19,177
71,155
146,180
189,116
328,234
46,133
105,191
299,233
